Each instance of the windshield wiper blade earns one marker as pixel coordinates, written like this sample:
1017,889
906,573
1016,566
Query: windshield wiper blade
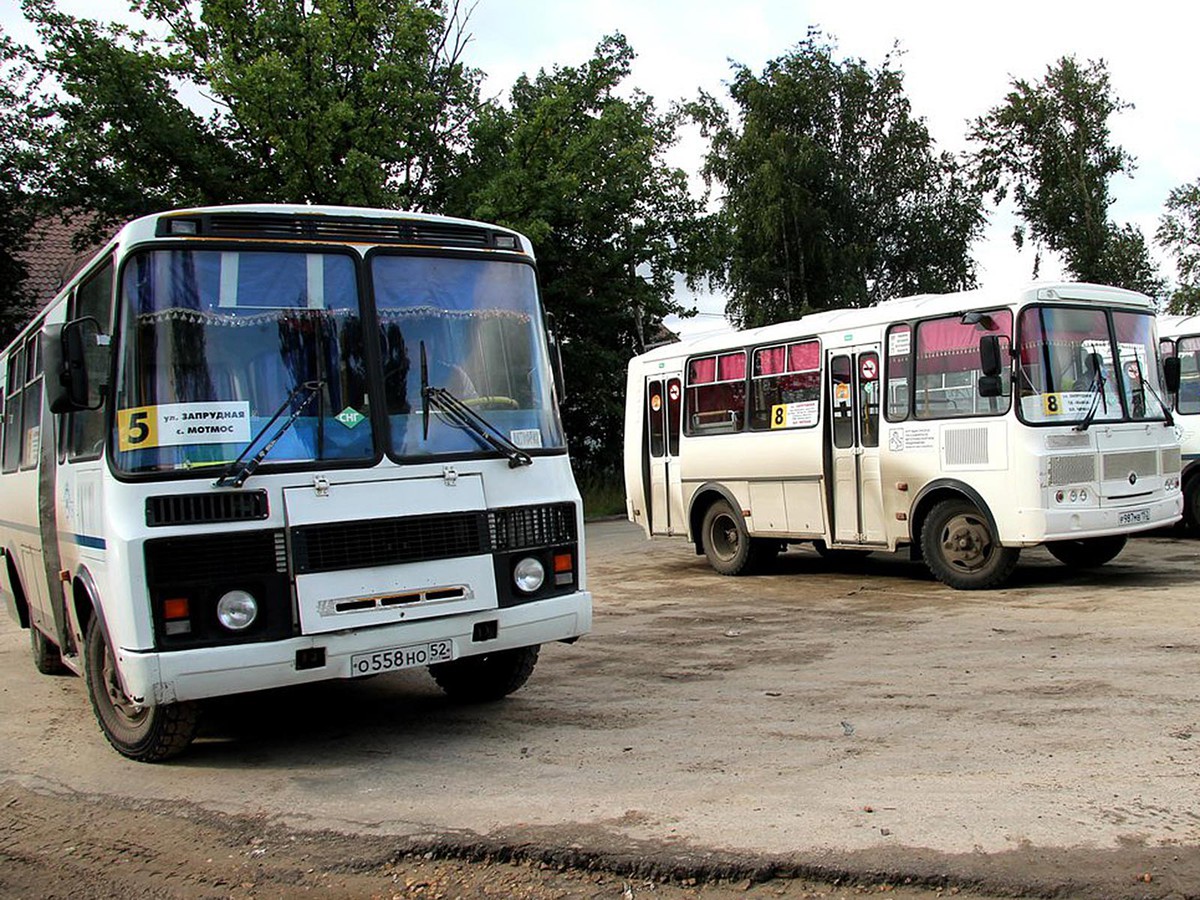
1168,419
1098,394
464,417
237,472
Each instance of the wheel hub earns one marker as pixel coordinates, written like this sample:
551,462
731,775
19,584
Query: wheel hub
965,542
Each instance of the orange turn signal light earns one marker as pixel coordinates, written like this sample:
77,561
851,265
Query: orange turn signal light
175,608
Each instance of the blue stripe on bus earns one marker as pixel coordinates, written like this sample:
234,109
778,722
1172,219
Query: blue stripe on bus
87,540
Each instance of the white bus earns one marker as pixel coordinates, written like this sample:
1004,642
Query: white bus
257,446
1179,339
965,426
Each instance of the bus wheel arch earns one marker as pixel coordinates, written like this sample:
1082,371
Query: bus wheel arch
142,733
706,495
958,538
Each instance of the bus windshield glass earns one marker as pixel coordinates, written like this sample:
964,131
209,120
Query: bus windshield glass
216,343
1074,367
478,327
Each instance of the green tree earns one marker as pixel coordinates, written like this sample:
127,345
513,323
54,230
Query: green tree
1179,234
833,194
325,101
18,133
1049,145
578,166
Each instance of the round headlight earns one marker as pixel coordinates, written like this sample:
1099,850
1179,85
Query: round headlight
528,575
237,610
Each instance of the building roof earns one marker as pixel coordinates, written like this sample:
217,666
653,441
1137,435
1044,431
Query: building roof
50,259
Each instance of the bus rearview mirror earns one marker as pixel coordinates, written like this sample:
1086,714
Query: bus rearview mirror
64,358
989,357
1172,372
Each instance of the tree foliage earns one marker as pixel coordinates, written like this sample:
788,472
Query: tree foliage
326,101
1179,234
578,165
833,192
1049,145
17,133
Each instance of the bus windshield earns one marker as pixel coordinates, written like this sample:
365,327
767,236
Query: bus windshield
1074,367
221,348
478,329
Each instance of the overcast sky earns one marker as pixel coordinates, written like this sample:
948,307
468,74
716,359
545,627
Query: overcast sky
958,58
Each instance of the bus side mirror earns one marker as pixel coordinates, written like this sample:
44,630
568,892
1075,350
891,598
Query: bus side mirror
556,365
64,360
990,383
1171,374
989,355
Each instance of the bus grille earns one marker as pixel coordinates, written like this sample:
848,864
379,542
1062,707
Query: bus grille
354,229
1172,460
337,546
200,509
1119,465
1072,469
202,558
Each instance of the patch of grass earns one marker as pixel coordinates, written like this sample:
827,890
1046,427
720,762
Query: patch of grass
603,495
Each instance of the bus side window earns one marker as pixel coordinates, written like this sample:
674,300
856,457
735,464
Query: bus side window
31,402
12,410
897,374
1189,370
716,393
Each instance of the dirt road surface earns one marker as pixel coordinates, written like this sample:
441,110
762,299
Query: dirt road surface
830,729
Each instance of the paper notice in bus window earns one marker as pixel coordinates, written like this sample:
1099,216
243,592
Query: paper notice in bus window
183,424
899,342
526,438
1072,404
794,415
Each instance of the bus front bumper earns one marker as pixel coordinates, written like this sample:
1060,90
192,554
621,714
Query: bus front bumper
1038,525
155,678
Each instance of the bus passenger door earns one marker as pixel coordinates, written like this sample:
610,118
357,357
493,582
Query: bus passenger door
855,392
663,401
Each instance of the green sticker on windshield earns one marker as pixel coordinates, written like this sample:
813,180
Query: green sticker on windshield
350,417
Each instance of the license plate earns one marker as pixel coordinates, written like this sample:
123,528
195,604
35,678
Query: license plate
1133,517
401,658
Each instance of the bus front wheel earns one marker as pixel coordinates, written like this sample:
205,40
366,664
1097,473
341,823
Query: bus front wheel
960,549
142,733
1191,503
487,677
1087,553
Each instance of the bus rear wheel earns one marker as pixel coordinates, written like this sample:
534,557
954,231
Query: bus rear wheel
960,549
46,656
1087,553
487,677
727,543
142,733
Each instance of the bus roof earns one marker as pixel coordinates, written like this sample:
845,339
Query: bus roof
1177,326
901,309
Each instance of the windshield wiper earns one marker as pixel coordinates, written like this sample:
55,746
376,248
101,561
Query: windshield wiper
1168,419
464,417
237,472
1098,393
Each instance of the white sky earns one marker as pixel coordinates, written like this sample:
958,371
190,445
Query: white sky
958,59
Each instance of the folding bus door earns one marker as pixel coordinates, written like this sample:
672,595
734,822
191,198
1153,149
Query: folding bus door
855,391
663,408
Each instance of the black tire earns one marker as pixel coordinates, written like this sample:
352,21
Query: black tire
1087,553
46,656
487,677
726,542
148,734
960,549
1191,503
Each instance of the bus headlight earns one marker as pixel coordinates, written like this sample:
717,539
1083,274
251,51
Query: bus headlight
237,610
528,575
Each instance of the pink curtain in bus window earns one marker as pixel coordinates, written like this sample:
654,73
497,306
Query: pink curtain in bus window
947,345
804,357
731,367
703,371
769,361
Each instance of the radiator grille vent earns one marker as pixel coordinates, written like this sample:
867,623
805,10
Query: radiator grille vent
200,509
1172,460
966,446
1072,470
366,230
337,546
201,557
1119,465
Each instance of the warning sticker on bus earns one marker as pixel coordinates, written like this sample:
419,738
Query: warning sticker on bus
183,424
